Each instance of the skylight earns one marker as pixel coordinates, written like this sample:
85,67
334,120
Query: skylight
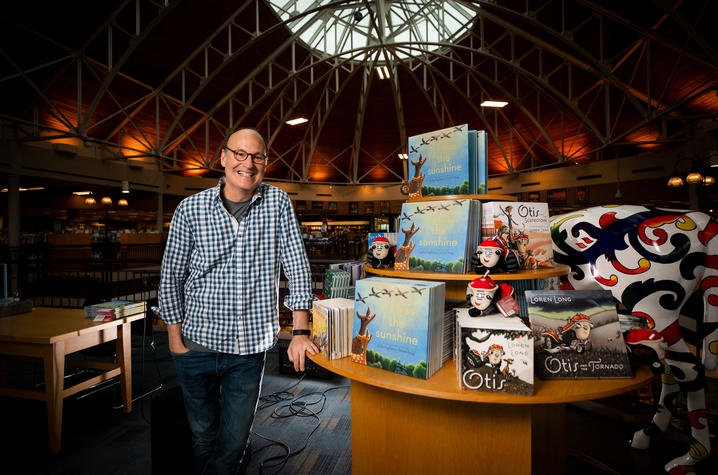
398,29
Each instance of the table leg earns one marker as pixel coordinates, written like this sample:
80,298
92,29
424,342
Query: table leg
124,356
399,433
54,362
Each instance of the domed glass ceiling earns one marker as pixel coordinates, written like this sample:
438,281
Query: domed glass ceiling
358,29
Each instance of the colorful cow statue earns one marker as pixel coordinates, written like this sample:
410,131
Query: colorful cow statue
652,260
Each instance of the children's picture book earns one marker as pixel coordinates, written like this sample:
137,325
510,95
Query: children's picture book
331,326
450,161
337,284
438,236
521,226
398,325
494,353
577,334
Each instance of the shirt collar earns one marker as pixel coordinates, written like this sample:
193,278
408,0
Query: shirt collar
258,192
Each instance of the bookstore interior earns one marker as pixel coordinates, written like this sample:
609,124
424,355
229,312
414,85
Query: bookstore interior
480,266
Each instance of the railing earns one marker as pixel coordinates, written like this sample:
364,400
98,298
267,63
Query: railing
75,276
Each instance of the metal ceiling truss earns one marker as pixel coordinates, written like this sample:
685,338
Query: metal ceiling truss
546,70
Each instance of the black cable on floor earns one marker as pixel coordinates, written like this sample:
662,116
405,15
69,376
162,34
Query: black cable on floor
297,406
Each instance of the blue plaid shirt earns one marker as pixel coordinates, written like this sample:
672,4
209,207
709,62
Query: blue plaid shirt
220,277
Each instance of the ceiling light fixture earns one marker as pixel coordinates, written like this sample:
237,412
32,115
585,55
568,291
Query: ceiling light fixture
35,188
122,202
297,121
383,72
106,200
90,201
494,104
403,156
82,193
675,181
125,186
708,180
694,177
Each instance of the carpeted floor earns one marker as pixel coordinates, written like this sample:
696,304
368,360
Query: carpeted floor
98,438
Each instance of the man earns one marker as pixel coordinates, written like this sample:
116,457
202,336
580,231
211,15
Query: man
218,296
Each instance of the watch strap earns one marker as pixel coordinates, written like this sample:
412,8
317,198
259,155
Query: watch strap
301,332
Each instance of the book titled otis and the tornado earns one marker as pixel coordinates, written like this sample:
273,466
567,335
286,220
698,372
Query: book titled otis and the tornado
399,326
450,161
577,334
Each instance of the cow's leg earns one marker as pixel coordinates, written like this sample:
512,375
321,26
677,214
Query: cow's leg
689,374
666,403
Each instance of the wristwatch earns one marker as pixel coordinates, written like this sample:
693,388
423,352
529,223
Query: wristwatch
301,332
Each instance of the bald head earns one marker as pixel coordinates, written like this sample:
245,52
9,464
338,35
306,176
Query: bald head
236,137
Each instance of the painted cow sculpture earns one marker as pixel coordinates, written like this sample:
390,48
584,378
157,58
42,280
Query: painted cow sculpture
652,260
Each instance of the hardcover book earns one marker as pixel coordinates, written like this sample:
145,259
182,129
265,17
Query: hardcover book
521,226
398,325
331,326
494,354
438,236
450,161
577,334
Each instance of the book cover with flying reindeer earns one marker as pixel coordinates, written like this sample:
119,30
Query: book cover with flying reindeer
450,161
577,334
437,236
398,325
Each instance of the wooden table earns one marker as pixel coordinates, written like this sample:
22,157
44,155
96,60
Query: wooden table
52,333
407,425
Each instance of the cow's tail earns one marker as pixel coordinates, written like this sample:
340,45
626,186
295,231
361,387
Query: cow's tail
709,289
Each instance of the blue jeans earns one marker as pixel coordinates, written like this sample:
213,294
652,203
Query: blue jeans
220,396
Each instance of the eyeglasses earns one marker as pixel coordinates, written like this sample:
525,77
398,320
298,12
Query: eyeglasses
241,155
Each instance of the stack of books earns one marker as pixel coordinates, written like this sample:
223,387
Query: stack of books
494,354
114,309
355,269
399,326
331,326
438,236
449,161
337,284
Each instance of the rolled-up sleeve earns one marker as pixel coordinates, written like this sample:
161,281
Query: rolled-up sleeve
174,268
294,261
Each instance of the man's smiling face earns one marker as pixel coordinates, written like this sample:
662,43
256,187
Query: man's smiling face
242,177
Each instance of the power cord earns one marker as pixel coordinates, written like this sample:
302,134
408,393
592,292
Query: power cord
303,405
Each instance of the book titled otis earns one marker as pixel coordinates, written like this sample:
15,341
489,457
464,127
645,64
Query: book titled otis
577,334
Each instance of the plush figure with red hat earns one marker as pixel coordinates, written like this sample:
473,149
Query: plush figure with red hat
483,293
491,255
381,254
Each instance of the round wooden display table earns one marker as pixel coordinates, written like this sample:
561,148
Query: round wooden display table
407,425
456,283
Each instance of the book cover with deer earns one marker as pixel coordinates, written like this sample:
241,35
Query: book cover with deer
437,236
577,334
522,226
445,162
494,354
398,325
